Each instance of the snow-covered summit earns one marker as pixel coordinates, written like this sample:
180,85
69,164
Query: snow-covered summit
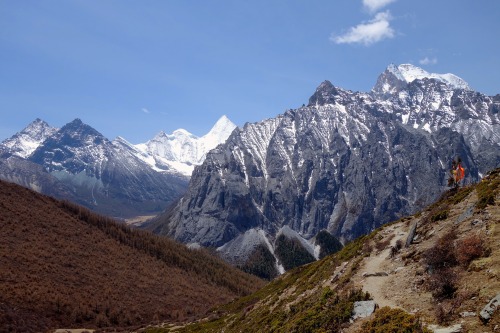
181,151
25,142
410,73
217,135
396,79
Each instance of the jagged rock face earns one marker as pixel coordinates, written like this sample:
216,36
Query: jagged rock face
348,163
105,175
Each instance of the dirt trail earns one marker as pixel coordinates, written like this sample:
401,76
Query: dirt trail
383,267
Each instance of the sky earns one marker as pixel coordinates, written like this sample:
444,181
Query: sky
134,68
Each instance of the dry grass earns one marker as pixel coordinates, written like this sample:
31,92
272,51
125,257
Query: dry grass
64,266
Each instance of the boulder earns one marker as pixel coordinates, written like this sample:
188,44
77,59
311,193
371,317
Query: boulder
489,309
363,309
411,234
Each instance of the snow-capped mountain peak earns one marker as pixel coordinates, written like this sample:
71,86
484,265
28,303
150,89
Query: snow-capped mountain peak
397,78
25,142
217,135
180,151
182,132
410,73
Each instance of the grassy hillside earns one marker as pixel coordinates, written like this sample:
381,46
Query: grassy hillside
445,276
64,266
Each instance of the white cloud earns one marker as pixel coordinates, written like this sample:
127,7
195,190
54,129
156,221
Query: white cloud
428,61
369,32
145,110
375,5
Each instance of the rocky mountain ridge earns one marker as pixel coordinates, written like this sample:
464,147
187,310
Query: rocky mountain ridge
346,163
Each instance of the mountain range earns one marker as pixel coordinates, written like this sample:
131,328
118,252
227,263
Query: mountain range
115,178
346,163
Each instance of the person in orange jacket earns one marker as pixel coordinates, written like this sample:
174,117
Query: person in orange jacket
457,173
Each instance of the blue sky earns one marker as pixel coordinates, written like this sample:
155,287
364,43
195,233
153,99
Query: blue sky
133,68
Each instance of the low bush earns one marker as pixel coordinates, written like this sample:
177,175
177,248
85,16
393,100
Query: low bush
394,321
468,249
443,283
488,189
442,255
383,243
442,316
440,215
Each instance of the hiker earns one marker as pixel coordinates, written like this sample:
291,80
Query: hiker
457,173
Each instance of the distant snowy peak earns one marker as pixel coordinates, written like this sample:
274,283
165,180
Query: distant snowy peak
396,78
25,142
181,151
411,73
217,135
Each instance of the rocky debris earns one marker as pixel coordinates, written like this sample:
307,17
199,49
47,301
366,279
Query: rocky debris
398,269
366,274
467,314
457,328
363,309
338,273
489,309
465,215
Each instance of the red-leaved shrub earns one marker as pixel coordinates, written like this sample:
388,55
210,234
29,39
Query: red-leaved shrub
468,249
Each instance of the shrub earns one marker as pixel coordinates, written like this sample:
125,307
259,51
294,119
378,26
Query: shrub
441,258
442,255
325,314
440,215
442,316
443,283
487,189
468,249
382,244
399,245
393,321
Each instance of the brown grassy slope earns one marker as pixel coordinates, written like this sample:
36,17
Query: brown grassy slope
61,265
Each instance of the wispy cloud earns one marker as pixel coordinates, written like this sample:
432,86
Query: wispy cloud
145,110
428,61
369,32
374,5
